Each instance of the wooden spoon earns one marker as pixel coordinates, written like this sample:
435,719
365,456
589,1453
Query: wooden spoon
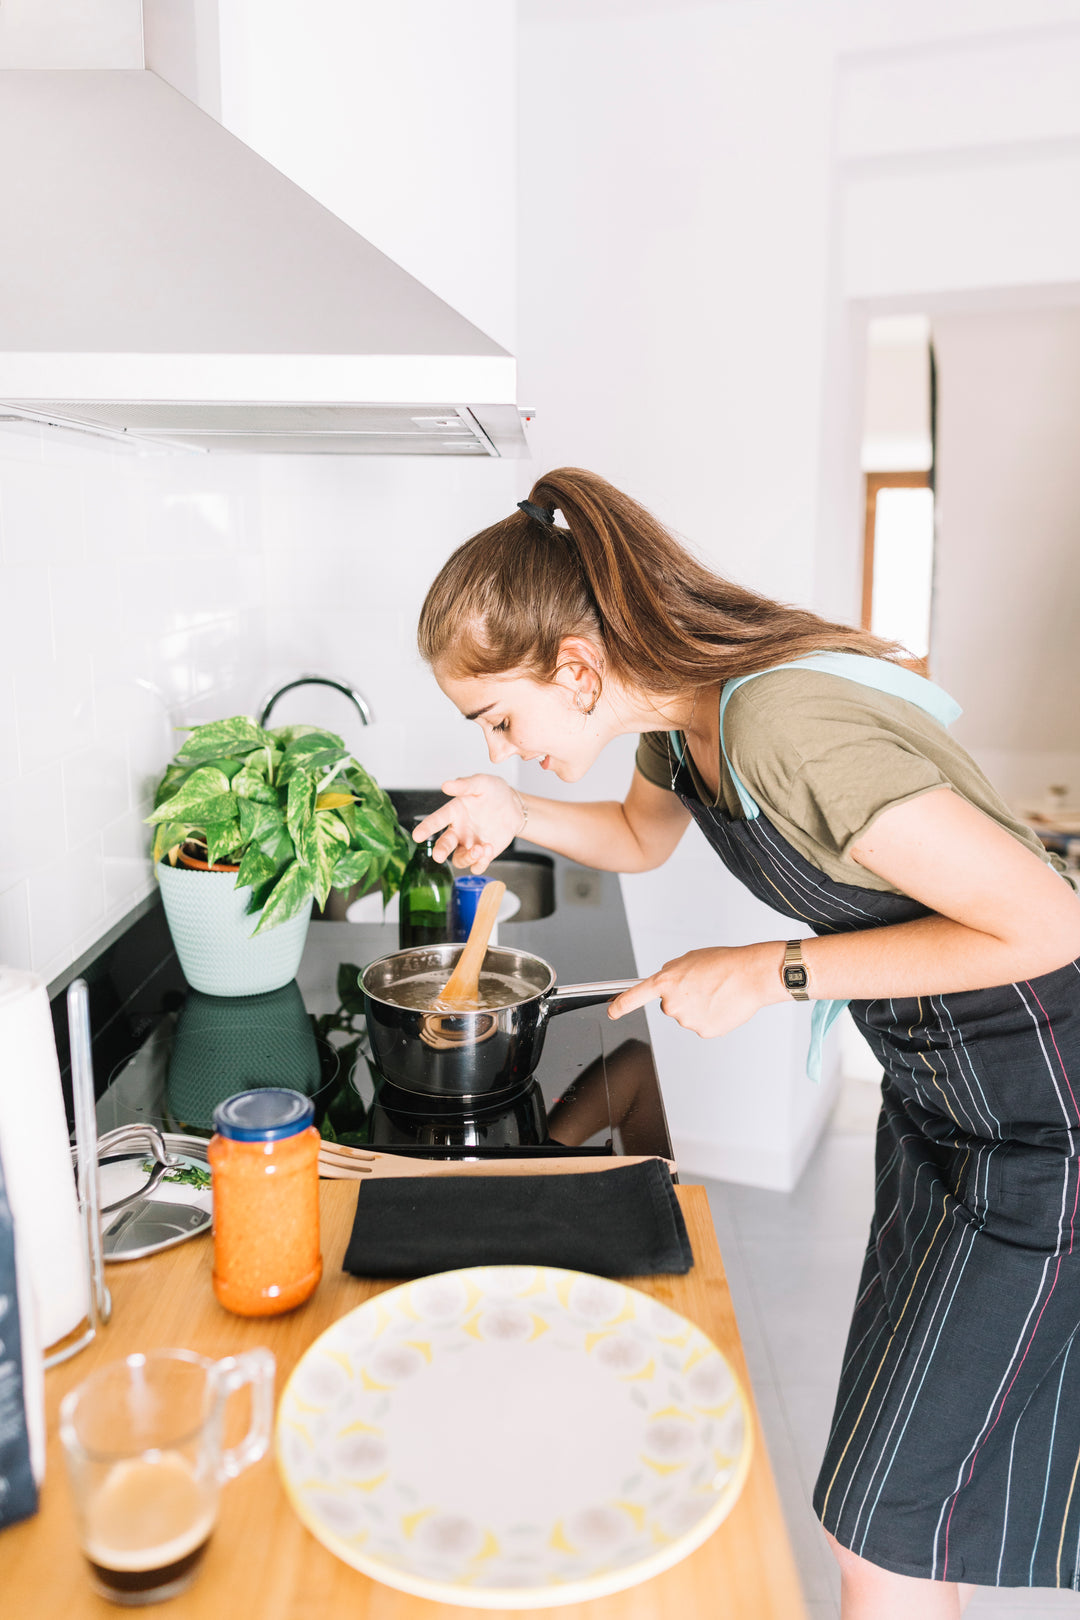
462,990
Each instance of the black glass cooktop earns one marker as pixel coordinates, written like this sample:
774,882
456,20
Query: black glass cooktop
169,1054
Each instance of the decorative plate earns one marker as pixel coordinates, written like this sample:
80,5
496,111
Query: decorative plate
513,1437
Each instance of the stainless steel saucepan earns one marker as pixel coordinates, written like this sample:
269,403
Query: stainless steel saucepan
472,1054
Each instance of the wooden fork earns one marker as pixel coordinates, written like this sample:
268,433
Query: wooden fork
340,1163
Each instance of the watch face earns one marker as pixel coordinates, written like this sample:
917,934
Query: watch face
796,978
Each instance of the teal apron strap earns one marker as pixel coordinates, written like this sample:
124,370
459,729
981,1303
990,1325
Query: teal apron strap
881,676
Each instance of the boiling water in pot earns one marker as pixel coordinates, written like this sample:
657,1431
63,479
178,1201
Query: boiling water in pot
422,991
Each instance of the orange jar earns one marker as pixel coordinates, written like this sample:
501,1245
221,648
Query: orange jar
265,1162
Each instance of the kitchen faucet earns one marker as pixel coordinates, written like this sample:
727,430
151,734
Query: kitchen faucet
356,698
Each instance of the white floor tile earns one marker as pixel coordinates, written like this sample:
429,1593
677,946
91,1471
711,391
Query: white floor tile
804,1293
751,1331
833,1200
1018,1603
818,1570
808,1407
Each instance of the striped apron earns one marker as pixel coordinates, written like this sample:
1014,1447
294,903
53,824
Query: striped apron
955,1445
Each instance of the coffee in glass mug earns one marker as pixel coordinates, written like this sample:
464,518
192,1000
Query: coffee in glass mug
143,1444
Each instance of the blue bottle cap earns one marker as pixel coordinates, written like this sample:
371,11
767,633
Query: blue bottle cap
464,899
265,1115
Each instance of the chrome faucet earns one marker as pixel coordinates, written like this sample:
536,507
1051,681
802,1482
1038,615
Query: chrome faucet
357,699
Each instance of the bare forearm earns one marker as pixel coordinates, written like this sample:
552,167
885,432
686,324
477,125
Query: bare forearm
593,834
930,956
996,914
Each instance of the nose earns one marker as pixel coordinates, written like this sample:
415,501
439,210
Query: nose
499,748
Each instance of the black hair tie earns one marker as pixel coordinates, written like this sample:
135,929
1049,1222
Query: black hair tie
542,514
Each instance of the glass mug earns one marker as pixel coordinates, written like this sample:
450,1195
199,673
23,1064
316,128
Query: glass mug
143,1444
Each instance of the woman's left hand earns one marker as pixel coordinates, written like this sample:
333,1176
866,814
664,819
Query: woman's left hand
711,991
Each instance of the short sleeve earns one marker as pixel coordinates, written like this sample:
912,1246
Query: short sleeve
838,797
825,761
653,758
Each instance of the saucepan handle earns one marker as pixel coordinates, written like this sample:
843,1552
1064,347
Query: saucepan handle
569,997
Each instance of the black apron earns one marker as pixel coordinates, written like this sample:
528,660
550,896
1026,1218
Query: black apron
955,1445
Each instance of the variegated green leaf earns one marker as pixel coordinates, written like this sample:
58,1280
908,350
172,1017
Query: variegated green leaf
238,735
323,763
167,835
285,736
352,867
251,783
223,840
319,849
261,824
255,869
373,835
205,783
197,812
290,895
301,804
228,767
171,781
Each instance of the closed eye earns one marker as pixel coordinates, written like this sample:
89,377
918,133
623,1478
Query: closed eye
503,725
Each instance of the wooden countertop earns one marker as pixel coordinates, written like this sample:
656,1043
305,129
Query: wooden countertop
262,1564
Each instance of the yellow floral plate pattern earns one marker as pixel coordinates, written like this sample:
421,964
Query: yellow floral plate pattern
513,1437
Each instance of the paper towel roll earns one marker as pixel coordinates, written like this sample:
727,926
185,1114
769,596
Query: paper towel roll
37,1156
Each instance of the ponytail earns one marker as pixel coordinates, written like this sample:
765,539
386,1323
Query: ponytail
506,599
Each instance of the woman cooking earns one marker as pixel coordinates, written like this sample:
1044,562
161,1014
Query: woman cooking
820,771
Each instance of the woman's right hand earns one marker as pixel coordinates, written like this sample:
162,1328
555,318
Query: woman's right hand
481,818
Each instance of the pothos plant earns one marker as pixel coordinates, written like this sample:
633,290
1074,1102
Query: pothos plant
289,806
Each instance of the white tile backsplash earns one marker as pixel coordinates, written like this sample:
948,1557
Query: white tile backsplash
43,513
351,545
131,602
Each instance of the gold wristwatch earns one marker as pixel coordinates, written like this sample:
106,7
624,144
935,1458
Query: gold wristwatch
794,971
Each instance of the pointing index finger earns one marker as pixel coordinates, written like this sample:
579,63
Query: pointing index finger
435,823
638,994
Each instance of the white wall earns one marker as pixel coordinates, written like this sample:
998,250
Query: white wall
896,403
131,601
714,200
1007,579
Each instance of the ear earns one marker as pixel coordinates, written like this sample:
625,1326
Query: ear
579,669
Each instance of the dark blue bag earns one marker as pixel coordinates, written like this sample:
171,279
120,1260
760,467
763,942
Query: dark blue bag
18,1490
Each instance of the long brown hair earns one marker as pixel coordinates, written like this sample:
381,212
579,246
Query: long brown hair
506,598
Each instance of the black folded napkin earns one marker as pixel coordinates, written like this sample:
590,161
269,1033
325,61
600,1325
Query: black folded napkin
623,1222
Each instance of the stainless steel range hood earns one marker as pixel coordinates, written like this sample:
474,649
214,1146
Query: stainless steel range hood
161,281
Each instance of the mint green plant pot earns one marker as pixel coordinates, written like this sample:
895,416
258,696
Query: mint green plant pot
212,932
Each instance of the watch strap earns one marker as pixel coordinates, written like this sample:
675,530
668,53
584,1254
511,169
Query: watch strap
794,971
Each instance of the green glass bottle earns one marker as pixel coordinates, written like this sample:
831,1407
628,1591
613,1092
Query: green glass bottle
425,897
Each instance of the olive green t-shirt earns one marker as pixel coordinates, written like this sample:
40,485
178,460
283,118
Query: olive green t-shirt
823,757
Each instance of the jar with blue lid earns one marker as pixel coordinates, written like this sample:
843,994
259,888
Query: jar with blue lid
464,899
264,1156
